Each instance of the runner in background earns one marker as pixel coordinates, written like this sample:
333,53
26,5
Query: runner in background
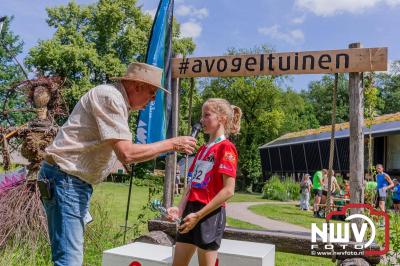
384,183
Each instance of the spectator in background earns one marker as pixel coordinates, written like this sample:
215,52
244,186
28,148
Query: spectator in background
396,195
177,180
371,183
305,186
384,183
347,189
317,189
334,187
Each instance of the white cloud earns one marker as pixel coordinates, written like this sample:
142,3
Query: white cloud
185,10
332,7
298,20
151,12
191,29
393,2
291,37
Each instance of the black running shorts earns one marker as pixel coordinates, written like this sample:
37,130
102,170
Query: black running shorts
317,192
208,232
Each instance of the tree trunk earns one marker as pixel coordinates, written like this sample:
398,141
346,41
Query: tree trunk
356,117
170,167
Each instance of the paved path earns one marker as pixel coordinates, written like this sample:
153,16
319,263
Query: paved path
240,211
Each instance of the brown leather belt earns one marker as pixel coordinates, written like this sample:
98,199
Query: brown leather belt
49,159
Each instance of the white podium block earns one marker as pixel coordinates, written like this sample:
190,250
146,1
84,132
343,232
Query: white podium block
143,253
242,253
231,253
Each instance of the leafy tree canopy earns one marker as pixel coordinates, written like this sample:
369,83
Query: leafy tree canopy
93,43
10,74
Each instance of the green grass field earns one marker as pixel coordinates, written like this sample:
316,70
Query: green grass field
287,213
241,224
108,207
288,259
282,258
247,197
114,197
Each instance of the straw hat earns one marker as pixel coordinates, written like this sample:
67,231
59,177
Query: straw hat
144,73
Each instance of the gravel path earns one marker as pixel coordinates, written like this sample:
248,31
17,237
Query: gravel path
240,211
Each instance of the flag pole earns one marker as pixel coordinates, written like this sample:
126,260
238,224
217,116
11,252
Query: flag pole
153,118
131,175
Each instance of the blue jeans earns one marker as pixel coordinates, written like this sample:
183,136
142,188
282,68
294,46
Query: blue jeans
305,200
65,211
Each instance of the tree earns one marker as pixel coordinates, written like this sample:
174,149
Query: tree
371,103
259,99
319,95
268,112
10,73
93,43
197,101
389,86
299,113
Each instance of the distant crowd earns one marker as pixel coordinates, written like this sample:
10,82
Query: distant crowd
379,183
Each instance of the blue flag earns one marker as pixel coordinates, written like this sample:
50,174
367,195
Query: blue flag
153,121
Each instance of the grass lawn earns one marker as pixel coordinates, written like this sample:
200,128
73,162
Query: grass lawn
247,197
288,259
114,197
287,213
108,207
241,224
282,258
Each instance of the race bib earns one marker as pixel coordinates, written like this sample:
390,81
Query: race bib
199,179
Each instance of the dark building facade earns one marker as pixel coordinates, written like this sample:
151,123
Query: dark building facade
308,151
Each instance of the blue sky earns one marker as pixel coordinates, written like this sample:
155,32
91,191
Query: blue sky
285,25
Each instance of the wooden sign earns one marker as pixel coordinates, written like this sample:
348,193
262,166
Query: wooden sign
317,62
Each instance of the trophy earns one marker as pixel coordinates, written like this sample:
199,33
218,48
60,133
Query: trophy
156,205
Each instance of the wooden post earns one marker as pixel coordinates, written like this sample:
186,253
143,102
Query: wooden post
170,161
356,117
186,169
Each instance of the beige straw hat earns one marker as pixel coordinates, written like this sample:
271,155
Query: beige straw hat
144,73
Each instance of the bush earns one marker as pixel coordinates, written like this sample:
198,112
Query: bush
276,189
149,180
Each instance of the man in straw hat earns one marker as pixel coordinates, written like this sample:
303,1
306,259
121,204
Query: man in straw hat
85,149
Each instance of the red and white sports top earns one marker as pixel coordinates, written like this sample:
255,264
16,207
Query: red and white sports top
207,169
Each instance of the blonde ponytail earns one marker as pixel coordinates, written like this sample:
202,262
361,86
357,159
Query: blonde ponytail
237,115
231,113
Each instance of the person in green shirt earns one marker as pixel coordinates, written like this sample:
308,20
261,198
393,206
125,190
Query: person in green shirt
317,189
371,185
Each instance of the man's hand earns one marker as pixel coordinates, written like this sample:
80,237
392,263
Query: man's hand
173,213
128,152
184,144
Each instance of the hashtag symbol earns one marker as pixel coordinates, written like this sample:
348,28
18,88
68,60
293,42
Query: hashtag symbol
184,65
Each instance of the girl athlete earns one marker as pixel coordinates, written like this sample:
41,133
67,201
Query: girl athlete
213,174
